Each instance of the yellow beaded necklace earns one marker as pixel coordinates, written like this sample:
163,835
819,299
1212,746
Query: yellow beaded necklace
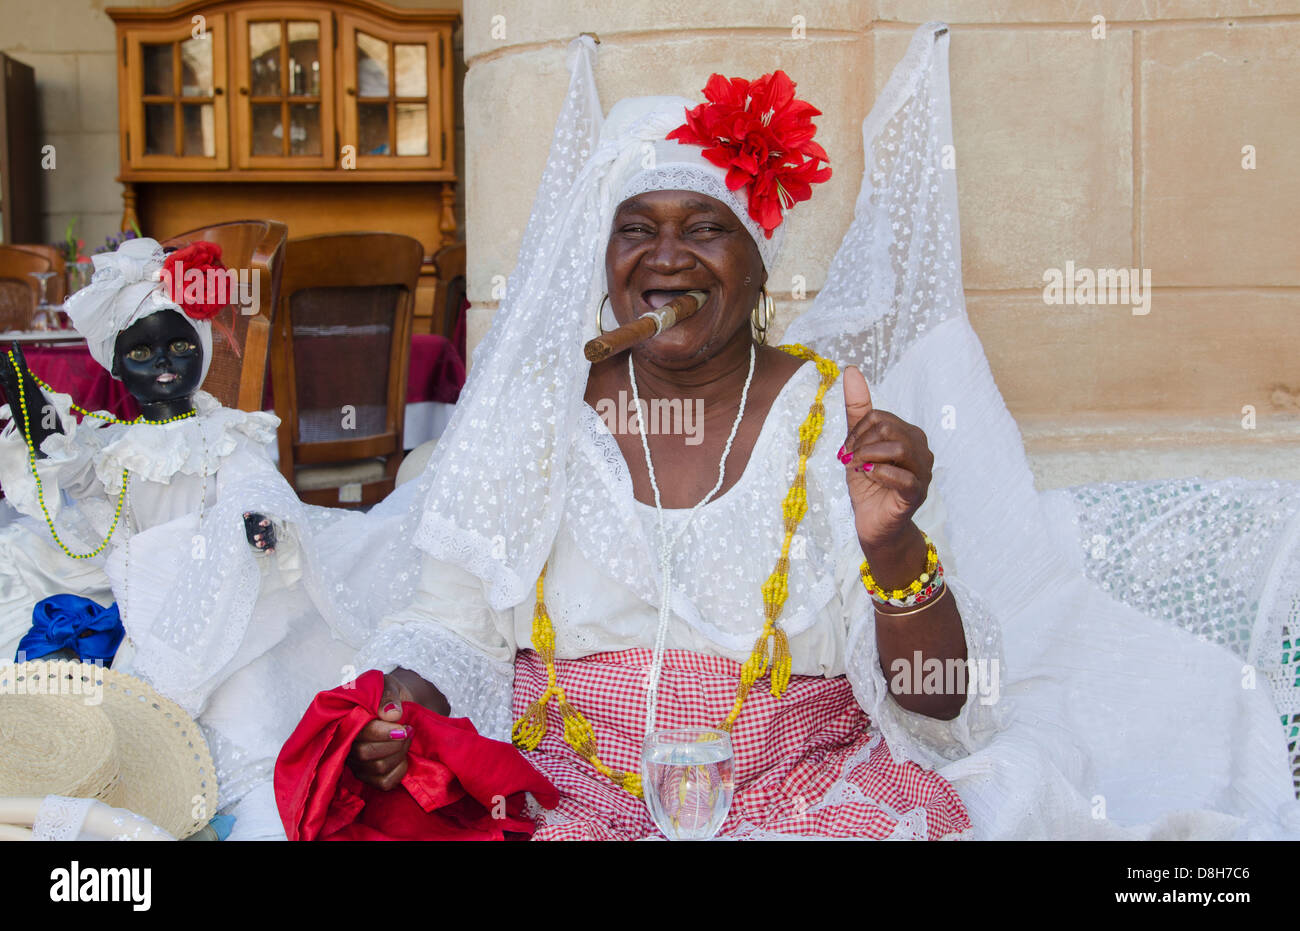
31,461
529,730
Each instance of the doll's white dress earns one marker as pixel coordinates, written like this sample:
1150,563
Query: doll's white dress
184,576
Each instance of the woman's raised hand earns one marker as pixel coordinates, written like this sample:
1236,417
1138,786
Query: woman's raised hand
888,466
378,756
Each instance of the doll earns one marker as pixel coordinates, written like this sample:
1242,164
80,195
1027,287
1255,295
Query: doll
181,518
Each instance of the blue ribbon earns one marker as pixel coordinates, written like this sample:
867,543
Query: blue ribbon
71,622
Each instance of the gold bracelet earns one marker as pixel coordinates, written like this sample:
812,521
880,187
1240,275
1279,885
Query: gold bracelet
930,603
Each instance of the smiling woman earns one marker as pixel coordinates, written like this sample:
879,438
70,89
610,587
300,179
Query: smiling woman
580,589
705,580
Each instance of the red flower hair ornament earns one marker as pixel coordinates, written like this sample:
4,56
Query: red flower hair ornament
206,295
188,284
763,136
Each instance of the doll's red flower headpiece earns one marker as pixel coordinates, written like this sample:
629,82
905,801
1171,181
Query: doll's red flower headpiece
763,136
195,293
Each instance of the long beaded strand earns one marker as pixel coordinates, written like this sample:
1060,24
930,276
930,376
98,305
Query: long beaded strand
666,548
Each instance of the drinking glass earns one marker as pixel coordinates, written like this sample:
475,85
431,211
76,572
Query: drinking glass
686,773
44,318
79,275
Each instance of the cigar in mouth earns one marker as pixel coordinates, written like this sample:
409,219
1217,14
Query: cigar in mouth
645,327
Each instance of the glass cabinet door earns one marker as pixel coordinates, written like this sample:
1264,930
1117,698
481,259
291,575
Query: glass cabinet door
284,71
395,83
177,81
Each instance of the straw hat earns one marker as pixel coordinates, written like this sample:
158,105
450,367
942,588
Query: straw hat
81,730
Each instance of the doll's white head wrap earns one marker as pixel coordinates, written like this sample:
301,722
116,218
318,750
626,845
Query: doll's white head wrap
127,286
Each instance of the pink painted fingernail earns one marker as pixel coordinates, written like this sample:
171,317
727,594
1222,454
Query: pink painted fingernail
866,467
399,733
391,706
844,457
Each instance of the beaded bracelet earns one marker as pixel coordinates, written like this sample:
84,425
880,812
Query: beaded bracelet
927,586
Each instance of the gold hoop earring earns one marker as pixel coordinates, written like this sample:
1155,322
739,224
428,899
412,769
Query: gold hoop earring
767,306
600,315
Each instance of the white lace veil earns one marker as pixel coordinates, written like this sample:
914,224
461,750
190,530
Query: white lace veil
496,479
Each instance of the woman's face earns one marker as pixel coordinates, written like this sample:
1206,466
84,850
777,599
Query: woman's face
158,358
664,243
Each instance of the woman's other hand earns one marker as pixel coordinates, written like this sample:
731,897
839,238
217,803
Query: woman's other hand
378,756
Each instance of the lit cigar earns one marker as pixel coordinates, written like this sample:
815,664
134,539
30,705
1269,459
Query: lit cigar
645,327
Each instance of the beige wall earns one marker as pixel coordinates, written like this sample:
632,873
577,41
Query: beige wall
1122,151
70,44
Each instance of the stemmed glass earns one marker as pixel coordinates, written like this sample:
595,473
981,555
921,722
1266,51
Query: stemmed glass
44,318
686,774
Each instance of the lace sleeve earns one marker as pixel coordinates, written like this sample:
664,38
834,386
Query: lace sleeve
452,638
926,740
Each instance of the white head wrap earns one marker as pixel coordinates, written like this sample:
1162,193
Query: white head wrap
127,287
679,166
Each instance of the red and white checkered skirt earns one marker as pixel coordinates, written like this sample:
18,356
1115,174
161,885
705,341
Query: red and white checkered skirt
806,764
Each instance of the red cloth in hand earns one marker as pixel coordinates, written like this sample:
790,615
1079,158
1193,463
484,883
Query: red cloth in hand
455,782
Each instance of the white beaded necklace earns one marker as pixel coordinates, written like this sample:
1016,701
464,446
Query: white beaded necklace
666,546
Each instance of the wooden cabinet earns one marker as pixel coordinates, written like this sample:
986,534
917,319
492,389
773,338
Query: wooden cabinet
329,116
285,97
394,112
258,86
174,91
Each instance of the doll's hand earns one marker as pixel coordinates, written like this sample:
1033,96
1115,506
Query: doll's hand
17,381
260,532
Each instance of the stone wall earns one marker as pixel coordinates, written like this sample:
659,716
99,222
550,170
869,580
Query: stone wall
1107,149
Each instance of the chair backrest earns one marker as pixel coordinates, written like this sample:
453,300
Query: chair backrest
57,289
238,379
449,262
19,292
341,350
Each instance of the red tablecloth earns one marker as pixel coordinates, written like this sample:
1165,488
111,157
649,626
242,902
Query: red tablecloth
69,369
437,370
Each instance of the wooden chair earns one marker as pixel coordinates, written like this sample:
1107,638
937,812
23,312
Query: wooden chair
449,262
57,287
239,379
19,292
341,350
